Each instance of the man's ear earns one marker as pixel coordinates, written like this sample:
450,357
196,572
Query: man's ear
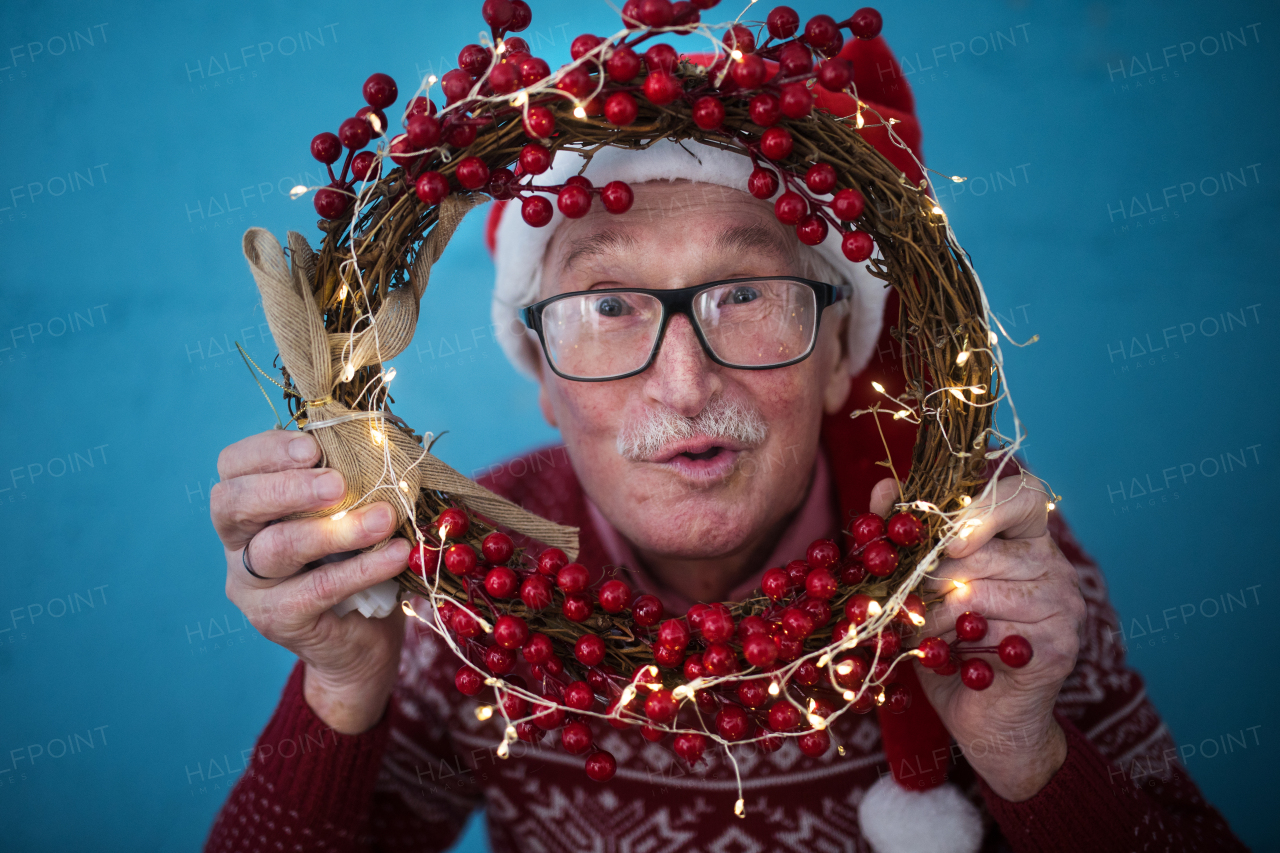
838,383
533,354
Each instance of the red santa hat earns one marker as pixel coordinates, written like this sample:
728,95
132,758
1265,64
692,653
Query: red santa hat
912,808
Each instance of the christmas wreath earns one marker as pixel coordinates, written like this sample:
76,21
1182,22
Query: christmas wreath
825,632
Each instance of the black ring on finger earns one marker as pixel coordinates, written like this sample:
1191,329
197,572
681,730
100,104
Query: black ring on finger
244,558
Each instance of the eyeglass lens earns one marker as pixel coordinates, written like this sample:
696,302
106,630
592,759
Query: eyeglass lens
745,324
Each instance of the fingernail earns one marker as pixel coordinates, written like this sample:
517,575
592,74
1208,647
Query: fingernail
329,486
398,551
378,518
302,449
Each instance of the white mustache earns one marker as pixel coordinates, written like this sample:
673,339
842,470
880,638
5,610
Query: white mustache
646,437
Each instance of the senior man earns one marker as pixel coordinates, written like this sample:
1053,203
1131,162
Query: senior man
695,455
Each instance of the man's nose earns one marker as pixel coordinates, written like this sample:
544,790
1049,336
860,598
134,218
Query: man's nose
682,377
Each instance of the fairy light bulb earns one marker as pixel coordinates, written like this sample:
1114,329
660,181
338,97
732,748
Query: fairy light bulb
338,516
628,693
960,586
483,713
845,668
348,372
521,98
404,487
905,413
916,619
817,722
859,121
388,376
848,696
935,209
880,698
1051,506
342,291
740,808
431,79
736,54
376,435
774,690
376,122
962,357
503,750
965,500
874,609
879,388
297,192
579,112
958,179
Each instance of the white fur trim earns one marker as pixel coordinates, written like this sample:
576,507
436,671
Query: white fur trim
520,247
939,820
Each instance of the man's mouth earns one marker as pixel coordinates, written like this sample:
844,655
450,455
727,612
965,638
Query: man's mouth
700,458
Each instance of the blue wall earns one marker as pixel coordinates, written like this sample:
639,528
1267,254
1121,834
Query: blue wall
131,170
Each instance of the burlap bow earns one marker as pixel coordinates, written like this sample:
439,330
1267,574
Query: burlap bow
373,456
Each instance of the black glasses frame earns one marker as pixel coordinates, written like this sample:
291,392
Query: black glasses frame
680,301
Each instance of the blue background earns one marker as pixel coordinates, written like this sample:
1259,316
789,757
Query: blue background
121,296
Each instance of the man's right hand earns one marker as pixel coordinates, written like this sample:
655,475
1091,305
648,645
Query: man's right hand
351,662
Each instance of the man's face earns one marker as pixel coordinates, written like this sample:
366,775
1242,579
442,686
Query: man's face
695,497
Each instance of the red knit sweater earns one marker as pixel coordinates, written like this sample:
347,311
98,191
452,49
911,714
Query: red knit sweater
410,782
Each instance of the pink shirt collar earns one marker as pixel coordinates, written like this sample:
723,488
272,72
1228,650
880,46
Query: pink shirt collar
816,519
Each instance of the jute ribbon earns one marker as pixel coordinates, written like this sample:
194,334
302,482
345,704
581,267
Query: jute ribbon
372,454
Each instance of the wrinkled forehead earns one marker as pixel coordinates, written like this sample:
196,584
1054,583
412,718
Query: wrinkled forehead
682,220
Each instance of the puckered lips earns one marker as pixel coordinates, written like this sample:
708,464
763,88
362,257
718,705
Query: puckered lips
701,459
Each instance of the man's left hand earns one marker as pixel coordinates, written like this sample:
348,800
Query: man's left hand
1013,574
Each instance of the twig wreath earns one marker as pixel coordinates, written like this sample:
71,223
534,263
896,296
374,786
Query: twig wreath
825,632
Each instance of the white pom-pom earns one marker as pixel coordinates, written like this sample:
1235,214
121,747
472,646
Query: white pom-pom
376,602
940,820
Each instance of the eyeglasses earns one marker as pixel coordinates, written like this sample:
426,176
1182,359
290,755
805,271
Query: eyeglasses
743,323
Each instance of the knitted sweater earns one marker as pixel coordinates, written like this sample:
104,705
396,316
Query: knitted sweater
411,781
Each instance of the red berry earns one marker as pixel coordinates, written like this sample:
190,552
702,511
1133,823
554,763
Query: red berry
501,582
886,645
422,559
497,547
822,553
497,13
617,196
460,559
717,624
748,72
866,528
674,634
797,573
655,13
456,85
848,205
499,661
821,31
505,78
583,45
812,230
472,173
614,595
783,22
661,57
820,178
685,15
420,106
784,717
533,71
651,734
510,632
474,59
646,611
905,529
620,109
331,202
376,118
577,607
821,584
880,558
465,621
553,667
835,74
551,561
354,133
971,626
662,88
623,65
817,609
521,17
794,60
765,109
789,648
690,746
468,681
866,23
574,201
797,100
796,623
708,112
951,667
897,698
537,649
579,696
912,609
326,148
575,737
720,659
589,650
732,723
763,183
539,123
857,246
751,626
693,668
380,91
859,608
1015,651
760,651
548,715
790,207
576,82
536,211
460,135
976,674
528,732
669,657
852,572
535,592
661,707
775,582
934,652
423,132
573,578
740,38
601,766
776,143
841,630
851,670
753,692
631,14
815,743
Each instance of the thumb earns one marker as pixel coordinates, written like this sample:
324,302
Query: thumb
883,495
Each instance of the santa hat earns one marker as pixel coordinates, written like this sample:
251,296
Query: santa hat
912,808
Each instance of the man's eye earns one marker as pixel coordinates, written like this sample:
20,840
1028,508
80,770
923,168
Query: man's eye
611,306
741,295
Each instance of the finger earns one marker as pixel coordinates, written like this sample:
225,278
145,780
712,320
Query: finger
242,506
281,550
1017,509
309,595
267,452
883,495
